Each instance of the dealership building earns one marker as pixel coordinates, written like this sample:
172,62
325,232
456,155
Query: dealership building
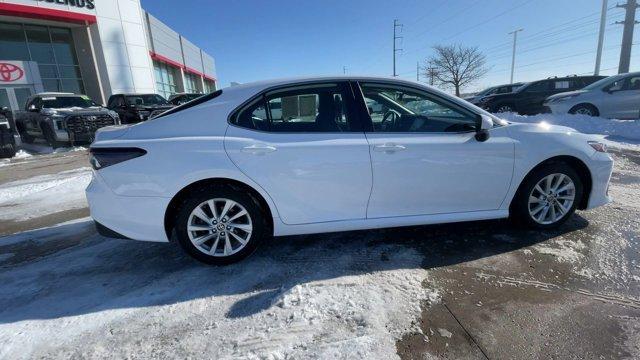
94,47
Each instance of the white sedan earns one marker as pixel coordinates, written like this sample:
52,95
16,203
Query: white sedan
230,169
614,97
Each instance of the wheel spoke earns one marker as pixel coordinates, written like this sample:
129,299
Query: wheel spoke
559,182
214,247
239,214
567,187
534,200
201,215
547,183
539,189
227,206
227,246
244,227
202,239
240,239
198,228
562,209
212,207
552,209
537,210
565,197
543,214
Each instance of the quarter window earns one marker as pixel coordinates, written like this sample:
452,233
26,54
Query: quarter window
394,109
320,108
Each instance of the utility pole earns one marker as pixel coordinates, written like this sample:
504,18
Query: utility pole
603,20
513,55
344,69
627,34
431,74
396,25
417,70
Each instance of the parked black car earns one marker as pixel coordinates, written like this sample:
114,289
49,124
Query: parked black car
61,118
7,131
529,98
134,108
179,99
500,89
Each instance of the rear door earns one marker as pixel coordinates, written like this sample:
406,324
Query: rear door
305,146
530,99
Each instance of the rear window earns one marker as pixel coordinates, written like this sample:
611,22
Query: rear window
192,103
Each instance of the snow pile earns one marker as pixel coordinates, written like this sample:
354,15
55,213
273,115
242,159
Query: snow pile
338,297
42,195
620,131
564,250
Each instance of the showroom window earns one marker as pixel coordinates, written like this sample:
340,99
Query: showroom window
165,78
209,86
398,109
192,83
51,47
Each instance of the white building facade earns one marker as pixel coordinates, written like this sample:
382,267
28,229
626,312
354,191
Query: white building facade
94,47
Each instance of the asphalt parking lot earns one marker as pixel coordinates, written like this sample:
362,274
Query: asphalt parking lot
484,289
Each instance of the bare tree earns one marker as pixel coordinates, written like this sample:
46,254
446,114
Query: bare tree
457,66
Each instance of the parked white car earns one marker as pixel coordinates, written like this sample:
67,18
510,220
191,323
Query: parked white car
615,97
223,172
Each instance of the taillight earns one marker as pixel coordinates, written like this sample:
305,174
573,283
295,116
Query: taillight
102,157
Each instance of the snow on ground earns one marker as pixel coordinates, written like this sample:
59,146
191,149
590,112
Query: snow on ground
42,195
335,296
619,133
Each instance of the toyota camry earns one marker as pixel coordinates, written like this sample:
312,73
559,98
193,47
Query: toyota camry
226,171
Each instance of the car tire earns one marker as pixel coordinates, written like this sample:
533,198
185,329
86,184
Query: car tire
585,109
503,108
538,204
8,151
198,236
49,136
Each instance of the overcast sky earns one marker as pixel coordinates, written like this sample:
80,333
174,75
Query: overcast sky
253,40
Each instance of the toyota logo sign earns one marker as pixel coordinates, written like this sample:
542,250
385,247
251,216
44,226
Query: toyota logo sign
10,72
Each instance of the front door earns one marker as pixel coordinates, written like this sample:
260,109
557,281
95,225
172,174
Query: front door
622,99
425,157
304,146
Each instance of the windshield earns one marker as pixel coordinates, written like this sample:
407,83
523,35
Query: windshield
54,102
148,99
488,91
603,82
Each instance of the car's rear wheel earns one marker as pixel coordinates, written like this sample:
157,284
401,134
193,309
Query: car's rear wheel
548,196
220,225
584,109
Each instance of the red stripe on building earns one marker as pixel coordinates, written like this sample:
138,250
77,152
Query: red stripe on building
35,12
163,59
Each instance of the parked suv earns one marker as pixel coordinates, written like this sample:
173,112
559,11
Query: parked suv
529,98
62,118
500,89
613,97
134,108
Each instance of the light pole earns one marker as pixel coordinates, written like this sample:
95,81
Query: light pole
513,55
603,20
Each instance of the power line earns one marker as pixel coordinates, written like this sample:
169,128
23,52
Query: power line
489,19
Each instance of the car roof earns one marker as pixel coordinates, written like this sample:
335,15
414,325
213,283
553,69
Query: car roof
56,94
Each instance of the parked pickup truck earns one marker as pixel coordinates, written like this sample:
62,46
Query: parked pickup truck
134,108
62,118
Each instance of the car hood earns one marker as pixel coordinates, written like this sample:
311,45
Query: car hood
78,111
565,94
153,107
542,127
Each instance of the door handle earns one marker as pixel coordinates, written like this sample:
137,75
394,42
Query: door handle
257,149
389,148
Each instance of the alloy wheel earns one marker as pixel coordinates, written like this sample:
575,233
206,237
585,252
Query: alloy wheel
551,198
584,111
219,227
504,108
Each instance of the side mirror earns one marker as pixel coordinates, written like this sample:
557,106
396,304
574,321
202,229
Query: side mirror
483,126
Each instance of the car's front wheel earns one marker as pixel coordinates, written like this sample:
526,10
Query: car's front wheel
503,108
584,109
548,196
220,225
